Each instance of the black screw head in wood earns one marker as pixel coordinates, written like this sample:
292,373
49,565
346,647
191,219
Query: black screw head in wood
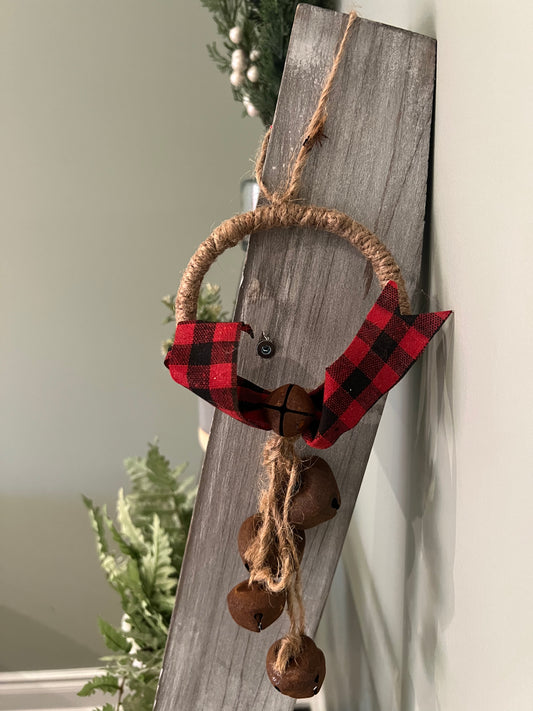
290,410
266,347
253,607
304,675
318,498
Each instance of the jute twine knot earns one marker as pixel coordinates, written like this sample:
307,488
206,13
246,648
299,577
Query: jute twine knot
282,464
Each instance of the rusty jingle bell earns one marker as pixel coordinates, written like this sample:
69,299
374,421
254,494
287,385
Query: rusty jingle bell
289,410
318,498
253,607
303,676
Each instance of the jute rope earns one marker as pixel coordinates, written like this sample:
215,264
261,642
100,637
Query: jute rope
282,464
284,215
314,133
283,467
283,212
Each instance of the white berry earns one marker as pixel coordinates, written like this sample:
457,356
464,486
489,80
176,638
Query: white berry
246,100
125,624
236,79
238,60
252,111
254,55
235,35
253,73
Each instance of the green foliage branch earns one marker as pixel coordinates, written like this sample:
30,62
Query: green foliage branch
266,27
141,553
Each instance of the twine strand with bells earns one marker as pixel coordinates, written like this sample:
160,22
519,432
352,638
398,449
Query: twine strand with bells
283,467
280,459
281,462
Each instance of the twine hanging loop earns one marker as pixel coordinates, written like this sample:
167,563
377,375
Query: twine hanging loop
282,211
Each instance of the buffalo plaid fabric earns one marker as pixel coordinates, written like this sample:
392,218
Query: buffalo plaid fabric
382,352
204,359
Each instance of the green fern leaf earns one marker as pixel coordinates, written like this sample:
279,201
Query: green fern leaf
127,527
154,619
156,570
115,640
125,547
133,578
108,684
99,520
155,461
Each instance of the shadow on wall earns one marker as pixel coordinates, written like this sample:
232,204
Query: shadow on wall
26,642
393,593
51,620
430,545
430,493
349,684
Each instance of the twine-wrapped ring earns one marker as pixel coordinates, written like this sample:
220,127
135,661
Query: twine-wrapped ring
285,215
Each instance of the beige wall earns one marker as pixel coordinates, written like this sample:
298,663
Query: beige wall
120,148
438,565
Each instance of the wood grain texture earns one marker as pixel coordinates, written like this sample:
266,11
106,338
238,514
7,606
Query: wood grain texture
310,292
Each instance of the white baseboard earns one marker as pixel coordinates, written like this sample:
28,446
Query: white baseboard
56,690
47,690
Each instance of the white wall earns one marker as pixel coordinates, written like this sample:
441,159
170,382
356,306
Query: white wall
121,148
438,568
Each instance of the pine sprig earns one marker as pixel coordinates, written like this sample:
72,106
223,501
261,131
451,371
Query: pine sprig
141,554
265,27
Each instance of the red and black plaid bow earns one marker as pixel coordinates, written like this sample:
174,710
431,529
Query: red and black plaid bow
204,360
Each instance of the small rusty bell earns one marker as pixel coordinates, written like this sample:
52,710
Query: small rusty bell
318,498
253,607
248,531
304,674
289,410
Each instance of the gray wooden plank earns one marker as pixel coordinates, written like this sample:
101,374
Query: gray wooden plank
310,292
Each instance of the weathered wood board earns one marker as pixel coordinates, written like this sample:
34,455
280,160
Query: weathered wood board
310,293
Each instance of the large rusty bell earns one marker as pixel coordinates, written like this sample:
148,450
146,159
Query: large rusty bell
253,607
304,674
318,498
290,410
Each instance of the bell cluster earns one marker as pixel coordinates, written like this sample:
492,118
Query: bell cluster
316,500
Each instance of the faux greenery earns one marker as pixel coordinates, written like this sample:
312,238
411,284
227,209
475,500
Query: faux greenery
265,27
141,554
